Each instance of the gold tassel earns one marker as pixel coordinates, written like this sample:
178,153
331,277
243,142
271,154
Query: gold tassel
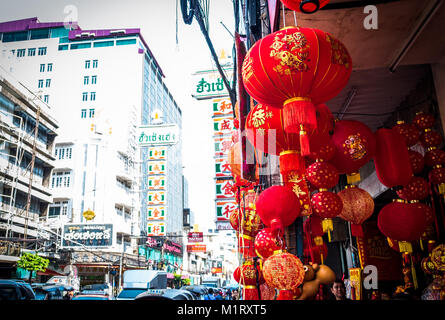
322,262
413,273
353,177
318,241
421,244
441,188
405,246
328,226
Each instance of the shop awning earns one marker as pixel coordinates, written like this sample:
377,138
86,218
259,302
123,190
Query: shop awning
49,272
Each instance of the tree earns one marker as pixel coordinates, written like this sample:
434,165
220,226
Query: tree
32,262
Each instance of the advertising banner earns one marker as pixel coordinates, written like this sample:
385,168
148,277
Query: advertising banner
155,229
195,237
196,248
157,213
224,189
224,208
157,183
156,198
162,135
90,235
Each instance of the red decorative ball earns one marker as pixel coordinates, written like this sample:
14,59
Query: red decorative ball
305,6
326,204
416,189
402,221
417,161
326,152
250,222
237,274
429,213
408,131
266,243
435,157
322,175
430,139
358,205
278,207
424,120
437,175
354,144
283,271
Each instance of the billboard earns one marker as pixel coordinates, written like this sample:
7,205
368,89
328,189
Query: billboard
156,213
89,235
196,248
195,237
155,229
158,135
224,208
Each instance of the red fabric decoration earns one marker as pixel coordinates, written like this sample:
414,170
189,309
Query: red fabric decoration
319,252
430,139
313,226
297,183
305,6
402,221
283,271
326,204
246,246
266,243
278,207
417,161
434,157
416,189
295,69
391,159
408,131
248,274
424,120
354,144
322,175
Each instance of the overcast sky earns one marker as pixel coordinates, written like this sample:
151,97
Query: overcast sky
157,21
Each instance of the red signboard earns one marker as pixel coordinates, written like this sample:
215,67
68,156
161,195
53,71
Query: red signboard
195,237
216,270
196,248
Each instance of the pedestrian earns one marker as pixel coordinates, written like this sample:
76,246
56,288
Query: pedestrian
211,295
338,289
218,295
235,294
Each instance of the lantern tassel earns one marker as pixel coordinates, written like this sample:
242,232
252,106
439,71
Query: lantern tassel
353,177
296,111
328,226
304,142
441,188
405,246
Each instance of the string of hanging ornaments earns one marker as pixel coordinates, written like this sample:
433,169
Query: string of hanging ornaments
290,75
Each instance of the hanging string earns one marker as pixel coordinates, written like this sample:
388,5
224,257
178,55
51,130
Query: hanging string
284,16
295,19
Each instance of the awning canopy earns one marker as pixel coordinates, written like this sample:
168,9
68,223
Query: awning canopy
49,272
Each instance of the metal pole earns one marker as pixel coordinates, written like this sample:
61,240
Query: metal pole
120,267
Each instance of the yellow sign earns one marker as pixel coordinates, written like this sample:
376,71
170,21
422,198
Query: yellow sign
355,276
89,215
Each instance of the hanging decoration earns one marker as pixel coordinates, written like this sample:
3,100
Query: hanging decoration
305,6
322,174
424,120
437,177
247,276
417,161
434,157
327,205
409,132
266,243
416,189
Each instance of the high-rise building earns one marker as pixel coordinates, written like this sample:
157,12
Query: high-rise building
101,85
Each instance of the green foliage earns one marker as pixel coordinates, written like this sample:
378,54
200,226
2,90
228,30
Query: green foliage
32,262
186,282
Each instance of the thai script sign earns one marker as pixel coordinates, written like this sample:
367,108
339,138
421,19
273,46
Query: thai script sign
195,237
90,235
152,135
172,247
223,225
209,84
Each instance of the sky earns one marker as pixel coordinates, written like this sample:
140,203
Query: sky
179,54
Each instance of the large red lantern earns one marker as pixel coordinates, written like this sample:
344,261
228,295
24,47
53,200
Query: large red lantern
326,204
416,189
434,157
305,6
408,131
278,207
296,69
417,161
358,206
326,152
402,221
391,159
266,243
322,174
355,146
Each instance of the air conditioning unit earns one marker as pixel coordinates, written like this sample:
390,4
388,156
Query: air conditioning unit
118,31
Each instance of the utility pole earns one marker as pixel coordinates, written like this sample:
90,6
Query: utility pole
120,267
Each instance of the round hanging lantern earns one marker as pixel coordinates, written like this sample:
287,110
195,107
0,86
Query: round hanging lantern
355,146
358,206
429,213
283,271
417,161
234,159
402,221
296,69
408,131
437,177
266,243
434,157
326,204
391,159
249,222
278,207
322,175
424,120
305,6
416,189
430,139
326,152
438,257
236,274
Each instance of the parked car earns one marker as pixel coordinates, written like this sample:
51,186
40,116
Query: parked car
168,294
199,291
91,297
15,290
52,291
130,293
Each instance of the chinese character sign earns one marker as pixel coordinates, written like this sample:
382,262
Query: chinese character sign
156,213
224,189
222,168
155,229
223,209
157,153
222,146
157,167
223,126
157,198
222,107
157,183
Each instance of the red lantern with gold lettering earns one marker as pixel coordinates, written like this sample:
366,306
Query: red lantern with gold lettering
416,189
295,69
305,6
355,146
266,243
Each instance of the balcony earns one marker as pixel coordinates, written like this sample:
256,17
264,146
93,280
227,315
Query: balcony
8,248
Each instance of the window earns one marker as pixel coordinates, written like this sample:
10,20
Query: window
124,42
46,98
63,47
94,63
59,207
91,113
42,51
42,67
83,113
87,64
21,52
61,179
31,52
93,79
80,45
93,96
84,96
103,44
48,83
49,67
63,152
86,79
40,83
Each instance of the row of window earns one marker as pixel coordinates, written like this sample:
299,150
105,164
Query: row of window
96,44
63,152
85,96
61,179
31,52
49,68
88,62
83,113
86,79
47,83
59,207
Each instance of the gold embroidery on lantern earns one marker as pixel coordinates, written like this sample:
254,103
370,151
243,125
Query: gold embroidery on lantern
355,147
247,70
291,58
339,54
258,118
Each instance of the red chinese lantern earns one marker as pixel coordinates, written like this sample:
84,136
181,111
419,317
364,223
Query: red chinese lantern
283,271
322,175
266,243
278,207
417,161
327,205
249,222
434,157
248,279
402,221
358,206
430,139
416,189
326,152
408,131
429,213
424,120
279,71
236,274
289,294
437,177
355,146
391,159
305,6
